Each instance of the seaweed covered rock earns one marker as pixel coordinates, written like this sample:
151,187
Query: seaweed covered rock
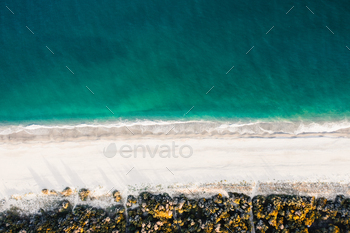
45,191
131,200
162,213
64,206
216,214
12,221
48,192
118,214
116,195
328,229
332,215
283,213
154,213
84,194
81,219
241,212
67,192
341,218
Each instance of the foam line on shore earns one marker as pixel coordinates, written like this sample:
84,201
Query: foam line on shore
148,128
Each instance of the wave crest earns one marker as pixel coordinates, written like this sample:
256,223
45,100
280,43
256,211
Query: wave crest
94,130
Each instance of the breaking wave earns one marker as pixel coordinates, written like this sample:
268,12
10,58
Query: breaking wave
146,127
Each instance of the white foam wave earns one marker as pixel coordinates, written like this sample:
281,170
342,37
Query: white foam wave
148,127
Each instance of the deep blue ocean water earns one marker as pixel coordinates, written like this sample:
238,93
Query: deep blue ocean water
156,59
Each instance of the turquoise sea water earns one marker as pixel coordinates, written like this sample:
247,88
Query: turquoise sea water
156,59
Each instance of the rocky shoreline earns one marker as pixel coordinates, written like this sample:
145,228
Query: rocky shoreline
149,212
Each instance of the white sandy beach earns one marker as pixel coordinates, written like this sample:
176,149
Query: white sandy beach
32,166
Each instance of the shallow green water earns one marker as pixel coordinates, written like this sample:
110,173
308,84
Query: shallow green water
157,59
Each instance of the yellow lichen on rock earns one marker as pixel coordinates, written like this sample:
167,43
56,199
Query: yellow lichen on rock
67,192
84,194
